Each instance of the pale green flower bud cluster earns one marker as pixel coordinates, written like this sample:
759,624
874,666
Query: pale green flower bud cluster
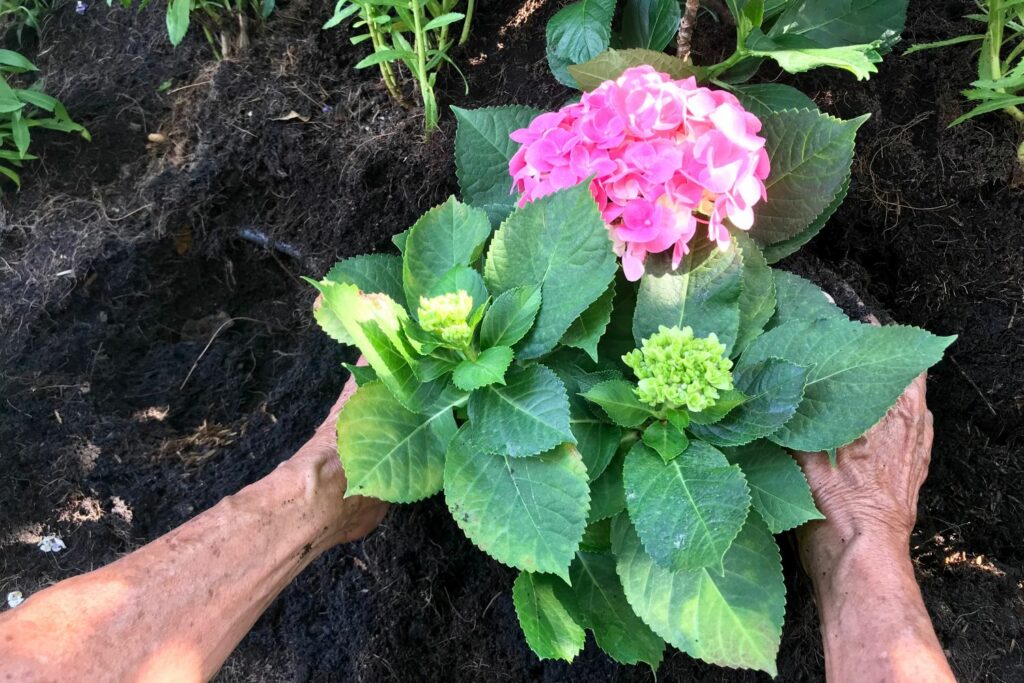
677,370
446,317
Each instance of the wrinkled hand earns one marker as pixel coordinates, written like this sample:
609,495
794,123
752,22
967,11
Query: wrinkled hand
351,518
873,490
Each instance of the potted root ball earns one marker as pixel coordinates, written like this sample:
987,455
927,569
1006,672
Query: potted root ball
592,358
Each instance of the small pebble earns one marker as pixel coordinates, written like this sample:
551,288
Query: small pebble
327,109
81,7
51,544
14,598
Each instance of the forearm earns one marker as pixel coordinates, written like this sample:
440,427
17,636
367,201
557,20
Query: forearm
873,620
175,609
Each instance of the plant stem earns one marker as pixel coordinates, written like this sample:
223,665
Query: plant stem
714,70
686,24
421,65
467,21
377,40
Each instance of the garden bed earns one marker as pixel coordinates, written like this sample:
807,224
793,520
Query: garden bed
155,358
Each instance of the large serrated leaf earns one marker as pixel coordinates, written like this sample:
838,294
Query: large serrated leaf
774,389
577,33
510,317
778,488
763,99
757,300
482,152
832,23
371,273
558,242
549,628
797,54
798,299
689,510
703,293
650,24
489,368
618,400
857,373
528,513
810,154
601,606
610,64
607,495
730,619
445,237
390,453
780,250
527,415
596,439
586,331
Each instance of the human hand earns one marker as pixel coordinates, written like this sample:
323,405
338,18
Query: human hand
348,519
871,494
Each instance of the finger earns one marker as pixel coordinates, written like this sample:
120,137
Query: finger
319,302
872,320
346,391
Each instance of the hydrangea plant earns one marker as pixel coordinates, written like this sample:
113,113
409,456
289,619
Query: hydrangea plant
620,442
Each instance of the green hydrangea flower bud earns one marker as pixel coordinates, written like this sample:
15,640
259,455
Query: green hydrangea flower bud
676,370
446,316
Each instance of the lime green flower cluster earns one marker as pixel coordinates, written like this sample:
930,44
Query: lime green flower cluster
677,370
446,317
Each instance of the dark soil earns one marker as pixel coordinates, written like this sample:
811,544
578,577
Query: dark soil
154,360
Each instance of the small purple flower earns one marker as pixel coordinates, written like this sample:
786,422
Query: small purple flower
81,7
327,109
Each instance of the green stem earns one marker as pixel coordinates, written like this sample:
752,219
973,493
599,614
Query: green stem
467,21
715,69
1020,153
421,64
377,40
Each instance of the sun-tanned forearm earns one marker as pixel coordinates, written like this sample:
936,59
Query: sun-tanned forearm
874,625
176,608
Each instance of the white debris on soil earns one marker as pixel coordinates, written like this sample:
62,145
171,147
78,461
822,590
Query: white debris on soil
14,598
51,544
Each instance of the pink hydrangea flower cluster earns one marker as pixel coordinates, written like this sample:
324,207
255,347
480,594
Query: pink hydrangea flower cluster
665,156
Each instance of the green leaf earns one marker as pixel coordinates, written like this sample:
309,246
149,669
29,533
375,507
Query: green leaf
610,64
528,513
447,236
362,374
550,630
943,43
668,441
510,317
797,54
373,323
443,20
733,618
689,510
20,133
800,300
596,440
558,242
489,368
617,398
618,337
650,24
757,299
762,99
388,452
832,23
580,31
586,331
778,488
601,606
857,373
16,60
371,273
607,495
811,155
380,56
526,416
774,389
727,401
780,250
703,293
177,20
482,152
